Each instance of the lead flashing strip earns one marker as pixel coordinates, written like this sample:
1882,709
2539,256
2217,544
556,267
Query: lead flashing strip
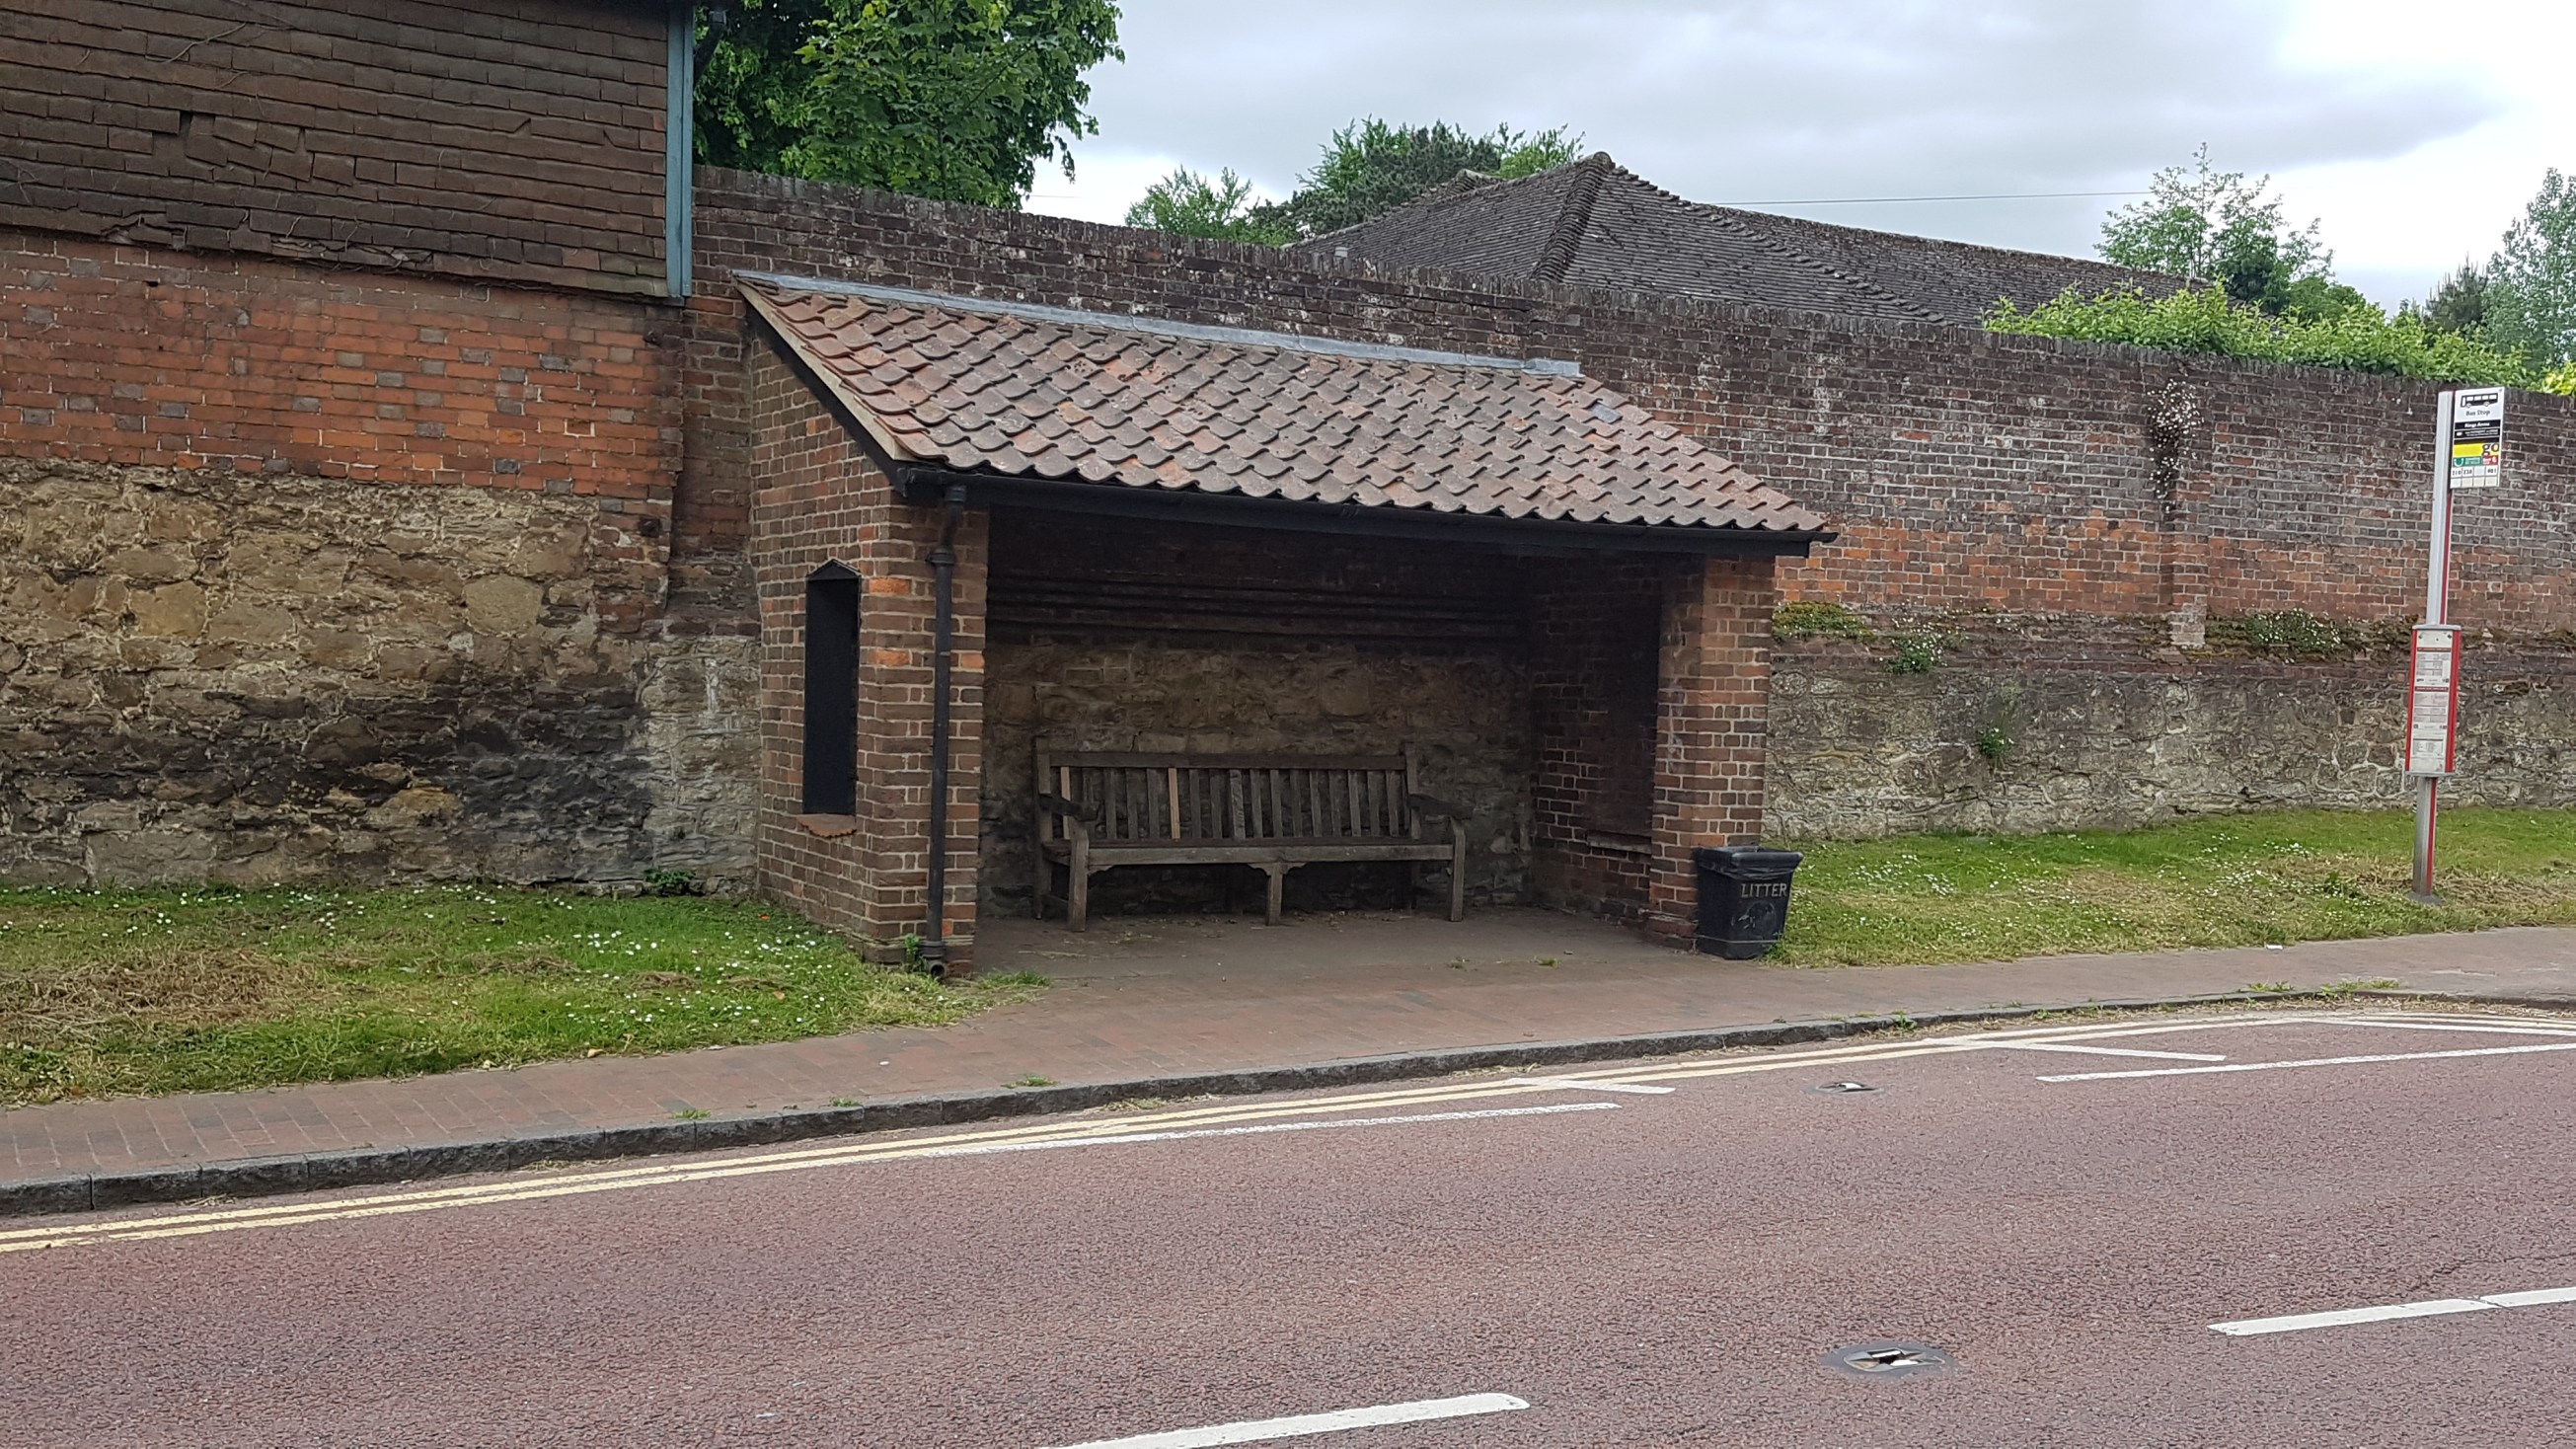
1160,327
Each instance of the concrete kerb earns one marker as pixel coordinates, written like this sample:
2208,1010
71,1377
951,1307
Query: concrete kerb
365,1166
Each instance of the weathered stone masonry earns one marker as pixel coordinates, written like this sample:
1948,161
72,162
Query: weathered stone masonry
2115,733
251,678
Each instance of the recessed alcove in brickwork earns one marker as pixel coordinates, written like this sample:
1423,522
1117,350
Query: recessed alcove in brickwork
1121,635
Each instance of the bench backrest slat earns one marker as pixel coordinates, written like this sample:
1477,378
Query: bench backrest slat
1138,796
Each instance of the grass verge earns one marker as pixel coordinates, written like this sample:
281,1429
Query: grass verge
130,991
2239,880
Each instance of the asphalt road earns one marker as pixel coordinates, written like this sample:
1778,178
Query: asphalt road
1627,1267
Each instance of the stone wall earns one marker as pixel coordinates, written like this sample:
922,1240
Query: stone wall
701,701
2090,734
248,679
1465,715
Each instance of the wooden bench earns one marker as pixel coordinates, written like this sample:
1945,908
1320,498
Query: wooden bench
1098,811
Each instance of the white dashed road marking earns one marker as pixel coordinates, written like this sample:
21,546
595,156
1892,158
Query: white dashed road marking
2510,1051
1254,1431
2382,1313
2448,1027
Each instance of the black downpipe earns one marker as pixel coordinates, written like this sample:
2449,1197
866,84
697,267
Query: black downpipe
943,629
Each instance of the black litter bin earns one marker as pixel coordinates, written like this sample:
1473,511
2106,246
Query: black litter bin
1743,898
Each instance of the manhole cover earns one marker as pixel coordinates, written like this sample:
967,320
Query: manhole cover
1847,1087
1888,1359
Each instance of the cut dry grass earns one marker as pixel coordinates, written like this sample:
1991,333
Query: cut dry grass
112,992
2243,880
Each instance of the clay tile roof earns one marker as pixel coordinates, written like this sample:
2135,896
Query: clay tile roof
1596,223
977,386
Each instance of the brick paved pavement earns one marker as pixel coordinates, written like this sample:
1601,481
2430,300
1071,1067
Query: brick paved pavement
1151,998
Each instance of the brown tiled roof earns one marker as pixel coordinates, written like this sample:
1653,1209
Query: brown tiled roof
977,386
1596,223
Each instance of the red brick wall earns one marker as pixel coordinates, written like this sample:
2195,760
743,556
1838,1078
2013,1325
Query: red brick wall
1966,471
128,355
1713,738
1584,642
1707,733
819,498
507,139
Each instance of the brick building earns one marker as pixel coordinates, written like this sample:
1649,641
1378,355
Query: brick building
1597,224
1095,477
385,493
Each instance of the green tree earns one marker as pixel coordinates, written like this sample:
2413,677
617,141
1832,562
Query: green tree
2531,281
1371,166
2458,303
753,80
2216,226
1195,205
954,99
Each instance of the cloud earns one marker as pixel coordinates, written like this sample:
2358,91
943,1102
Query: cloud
1762,100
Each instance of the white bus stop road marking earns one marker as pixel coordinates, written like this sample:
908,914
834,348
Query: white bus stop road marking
1254,1431
1576,1084
2101,1051
2397,1024
2506,1051
983,1149
971,1144
2382,1313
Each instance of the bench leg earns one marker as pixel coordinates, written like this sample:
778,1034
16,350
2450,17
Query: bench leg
1457,871
1045,878
1278,889
1077,885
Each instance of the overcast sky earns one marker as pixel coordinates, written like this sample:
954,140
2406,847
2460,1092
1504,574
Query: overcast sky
2416,132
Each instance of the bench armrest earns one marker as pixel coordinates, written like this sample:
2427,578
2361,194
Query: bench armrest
1435,807
1057,804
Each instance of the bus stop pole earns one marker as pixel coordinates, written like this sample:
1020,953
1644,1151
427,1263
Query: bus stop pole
2437,610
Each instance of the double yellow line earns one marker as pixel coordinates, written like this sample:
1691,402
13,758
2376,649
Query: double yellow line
976,1142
